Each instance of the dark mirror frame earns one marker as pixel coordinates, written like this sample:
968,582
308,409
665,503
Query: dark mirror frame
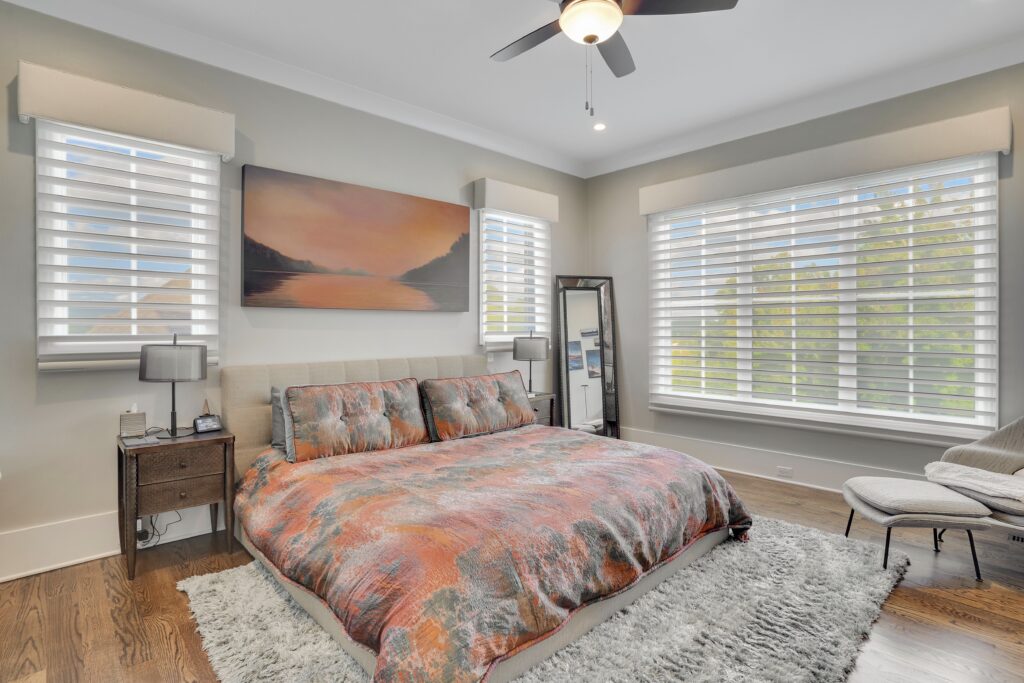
606,330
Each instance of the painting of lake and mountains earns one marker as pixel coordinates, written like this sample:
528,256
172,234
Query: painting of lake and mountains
313,243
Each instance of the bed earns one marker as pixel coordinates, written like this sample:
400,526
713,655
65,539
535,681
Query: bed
470,559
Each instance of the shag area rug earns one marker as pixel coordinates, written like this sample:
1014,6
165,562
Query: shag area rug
793,604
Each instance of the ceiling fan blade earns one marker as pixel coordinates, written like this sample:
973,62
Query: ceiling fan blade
675,6
616,56
527,42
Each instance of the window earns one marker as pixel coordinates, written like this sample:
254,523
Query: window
515,275
126,246
870,301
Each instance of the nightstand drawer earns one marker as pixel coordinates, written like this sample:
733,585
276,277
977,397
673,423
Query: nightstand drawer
542,409
181,463
175,495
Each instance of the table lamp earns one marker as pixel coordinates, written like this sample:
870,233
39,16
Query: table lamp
530,349
172,363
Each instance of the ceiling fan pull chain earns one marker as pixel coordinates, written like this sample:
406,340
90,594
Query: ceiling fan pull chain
590,79
586,80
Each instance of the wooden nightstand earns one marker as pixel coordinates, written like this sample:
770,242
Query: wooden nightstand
172,475
544,406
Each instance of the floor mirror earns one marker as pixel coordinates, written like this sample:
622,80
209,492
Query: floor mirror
585,344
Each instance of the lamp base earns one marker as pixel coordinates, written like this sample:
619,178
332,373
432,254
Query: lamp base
165,434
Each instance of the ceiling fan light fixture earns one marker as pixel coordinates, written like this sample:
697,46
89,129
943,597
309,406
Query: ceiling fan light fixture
589,22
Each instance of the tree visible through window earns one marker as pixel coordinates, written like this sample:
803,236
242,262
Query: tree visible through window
867,301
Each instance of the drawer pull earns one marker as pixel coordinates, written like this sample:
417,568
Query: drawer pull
182,494
182,464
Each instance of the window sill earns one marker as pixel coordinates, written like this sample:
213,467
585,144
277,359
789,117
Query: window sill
927,434
48,366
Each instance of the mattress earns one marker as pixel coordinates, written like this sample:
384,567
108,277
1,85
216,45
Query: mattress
447,561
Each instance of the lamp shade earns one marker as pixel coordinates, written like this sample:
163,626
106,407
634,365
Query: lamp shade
530,348
172,363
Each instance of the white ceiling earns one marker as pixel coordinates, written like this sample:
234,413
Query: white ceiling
700,79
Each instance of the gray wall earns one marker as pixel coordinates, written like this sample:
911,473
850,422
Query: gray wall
618,248
56,429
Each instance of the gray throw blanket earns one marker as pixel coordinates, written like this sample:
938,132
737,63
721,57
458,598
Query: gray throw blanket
974,479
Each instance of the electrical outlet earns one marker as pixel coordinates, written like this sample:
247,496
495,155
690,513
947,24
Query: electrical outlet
142,535
784,472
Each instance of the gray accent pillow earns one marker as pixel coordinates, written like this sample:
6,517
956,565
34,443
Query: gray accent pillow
277,433
289,426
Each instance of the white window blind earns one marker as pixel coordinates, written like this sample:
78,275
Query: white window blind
871,301
126,246
515,276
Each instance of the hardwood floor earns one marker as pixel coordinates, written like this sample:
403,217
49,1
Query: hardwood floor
89,623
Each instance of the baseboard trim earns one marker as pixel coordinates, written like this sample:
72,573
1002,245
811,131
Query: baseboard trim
810,471
45,547
53,545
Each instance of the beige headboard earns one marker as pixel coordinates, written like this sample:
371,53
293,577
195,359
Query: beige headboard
245,389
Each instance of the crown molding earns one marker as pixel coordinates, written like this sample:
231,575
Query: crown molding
133,27
844,98
183,43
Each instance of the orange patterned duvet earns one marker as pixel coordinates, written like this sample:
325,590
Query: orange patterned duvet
445,558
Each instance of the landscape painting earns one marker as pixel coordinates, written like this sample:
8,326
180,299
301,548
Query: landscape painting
313,243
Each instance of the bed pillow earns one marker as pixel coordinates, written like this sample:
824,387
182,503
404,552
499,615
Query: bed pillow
277,438
471,406
281,435
338,419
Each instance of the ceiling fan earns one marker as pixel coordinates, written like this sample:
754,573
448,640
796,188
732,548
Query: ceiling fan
597,22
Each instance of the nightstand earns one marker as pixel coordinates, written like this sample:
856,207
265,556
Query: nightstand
172,475
544,407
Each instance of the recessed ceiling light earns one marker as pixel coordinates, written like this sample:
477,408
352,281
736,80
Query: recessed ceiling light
599,126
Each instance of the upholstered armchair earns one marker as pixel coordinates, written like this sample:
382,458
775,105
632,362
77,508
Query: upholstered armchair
896,503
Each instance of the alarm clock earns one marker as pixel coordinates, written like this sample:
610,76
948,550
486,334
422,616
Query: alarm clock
207,423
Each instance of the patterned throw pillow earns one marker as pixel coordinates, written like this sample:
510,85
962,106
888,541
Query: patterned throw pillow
471,406
338,419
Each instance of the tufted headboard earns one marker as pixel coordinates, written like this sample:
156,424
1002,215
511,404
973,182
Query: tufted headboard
245,389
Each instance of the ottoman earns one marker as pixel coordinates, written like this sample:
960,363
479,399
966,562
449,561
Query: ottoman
895,502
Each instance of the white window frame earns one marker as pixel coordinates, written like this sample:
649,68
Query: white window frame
490,272
102,197
845,414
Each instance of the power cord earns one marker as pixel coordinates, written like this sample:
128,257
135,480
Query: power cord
182,431
157,535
